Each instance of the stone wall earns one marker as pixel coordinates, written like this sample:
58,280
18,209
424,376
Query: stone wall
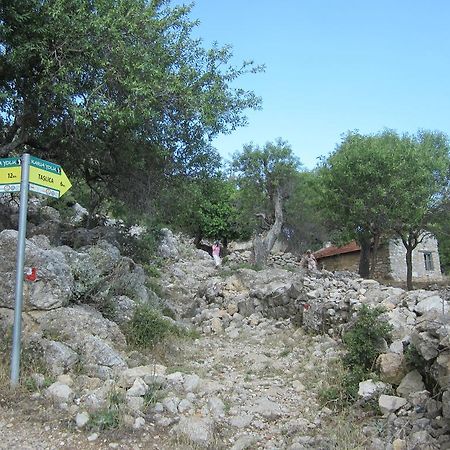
397,254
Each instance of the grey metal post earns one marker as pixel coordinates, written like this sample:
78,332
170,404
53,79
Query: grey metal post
20,260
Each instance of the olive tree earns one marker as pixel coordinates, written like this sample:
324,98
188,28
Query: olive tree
375,185
264,178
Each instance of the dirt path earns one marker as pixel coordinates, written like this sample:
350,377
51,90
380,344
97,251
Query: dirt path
266,380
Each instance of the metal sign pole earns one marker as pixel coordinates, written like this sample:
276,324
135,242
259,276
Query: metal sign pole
20,260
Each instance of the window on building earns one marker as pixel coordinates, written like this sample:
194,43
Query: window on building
428,258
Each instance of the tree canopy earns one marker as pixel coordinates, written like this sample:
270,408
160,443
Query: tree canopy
264,178
118,91
382,183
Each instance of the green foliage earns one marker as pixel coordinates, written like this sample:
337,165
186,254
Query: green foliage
154,393
141,249
106,305
121,93
32,386
259,172
201,207
342,386
148,327
109,417
366,183
365,338
414,360
363,343
31,362
305,224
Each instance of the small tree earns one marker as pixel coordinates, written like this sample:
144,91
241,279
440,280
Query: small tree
264,177
359,191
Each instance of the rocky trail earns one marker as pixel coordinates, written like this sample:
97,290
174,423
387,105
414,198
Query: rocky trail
258,391
266,349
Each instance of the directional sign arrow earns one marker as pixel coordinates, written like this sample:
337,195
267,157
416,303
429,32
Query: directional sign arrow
48,178
64,183
45,177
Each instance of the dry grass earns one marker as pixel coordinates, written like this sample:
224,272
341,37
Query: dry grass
344,432
30,363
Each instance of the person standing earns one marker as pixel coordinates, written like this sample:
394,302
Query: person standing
216,253
309,261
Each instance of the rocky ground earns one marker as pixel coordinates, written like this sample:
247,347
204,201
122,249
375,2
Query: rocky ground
268,346
257,391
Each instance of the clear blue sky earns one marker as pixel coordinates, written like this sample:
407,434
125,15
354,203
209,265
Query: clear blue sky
333,66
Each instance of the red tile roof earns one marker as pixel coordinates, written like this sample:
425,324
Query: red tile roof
331,251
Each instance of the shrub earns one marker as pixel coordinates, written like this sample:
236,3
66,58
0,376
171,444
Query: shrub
364,340
148,327
108,417
363,344
154,393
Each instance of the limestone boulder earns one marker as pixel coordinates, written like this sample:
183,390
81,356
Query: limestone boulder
369,388
390,403
59,358
101,273
98,343
54,284
446,404
426,344
392,367
168,246
412,382
402,321
197,430
440,369
59,393
433,303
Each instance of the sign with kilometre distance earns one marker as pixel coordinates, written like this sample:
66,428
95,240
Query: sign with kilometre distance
45,178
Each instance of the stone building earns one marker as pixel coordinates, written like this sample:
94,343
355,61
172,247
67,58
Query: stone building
391,259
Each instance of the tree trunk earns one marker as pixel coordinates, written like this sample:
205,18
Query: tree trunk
364,256
409,285
264,242
410,243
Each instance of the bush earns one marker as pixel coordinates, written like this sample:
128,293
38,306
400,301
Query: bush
148,327
363,343
154,393
364,340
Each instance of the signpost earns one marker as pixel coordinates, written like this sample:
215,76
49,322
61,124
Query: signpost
25,174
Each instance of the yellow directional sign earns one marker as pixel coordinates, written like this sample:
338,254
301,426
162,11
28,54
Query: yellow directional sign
45,177
48,178
10,175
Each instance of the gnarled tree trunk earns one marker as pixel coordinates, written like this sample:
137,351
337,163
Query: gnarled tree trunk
364,255
264,242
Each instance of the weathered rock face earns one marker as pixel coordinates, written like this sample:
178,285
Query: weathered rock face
54,286
392,368
168,247
73,336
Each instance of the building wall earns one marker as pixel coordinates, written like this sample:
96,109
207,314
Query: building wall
383,264
391,261
397,254
347,261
